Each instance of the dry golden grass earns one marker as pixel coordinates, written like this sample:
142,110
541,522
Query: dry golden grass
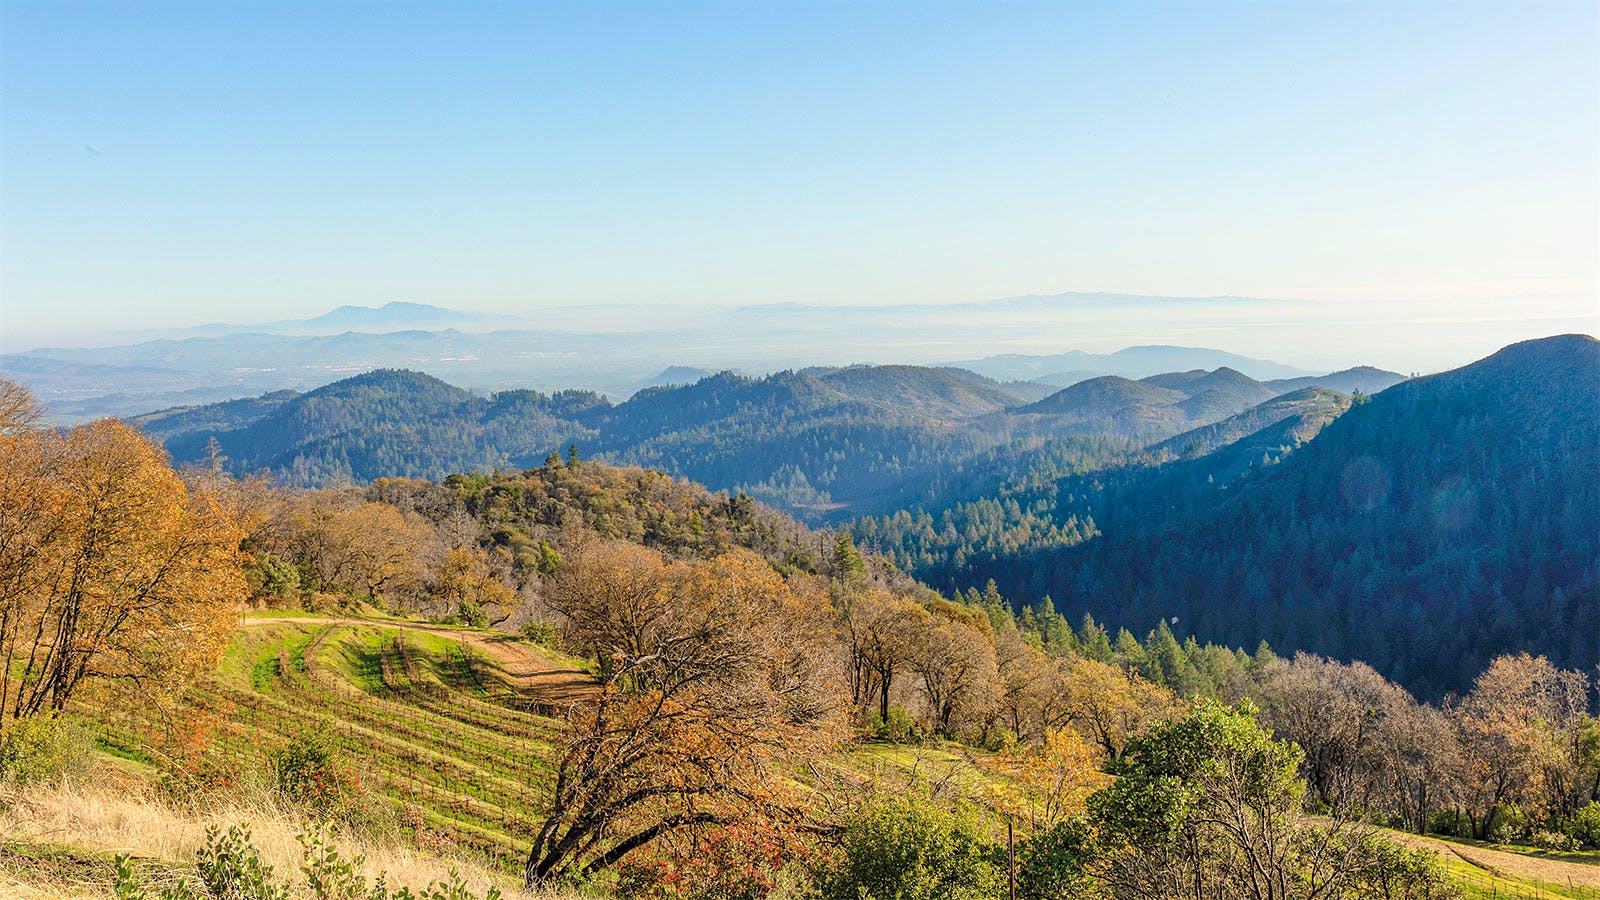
107,819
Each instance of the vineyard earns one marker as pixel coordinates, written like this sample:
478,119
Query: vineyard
433,723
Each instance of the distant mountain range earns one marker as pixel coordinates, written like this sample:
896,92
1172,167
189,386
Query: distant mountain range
822,442
398,315
1065,369
618,350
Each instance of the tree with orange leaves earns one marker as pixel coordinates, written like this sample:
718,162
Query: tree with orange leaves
1056,776
110,569
1511,729
1109,705
717,679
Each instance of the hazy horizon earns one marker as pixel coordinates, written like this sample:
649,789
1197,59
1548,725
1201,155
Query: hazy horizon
1424,179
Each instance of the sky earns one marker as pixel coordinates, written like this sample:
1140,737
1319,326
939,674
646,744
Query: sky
1396,164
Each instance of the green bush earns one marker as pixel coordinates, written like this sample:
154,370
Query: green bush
308,770
470,614
545,634
898,729
43,748
1585,827
1553,840
996,740
278,577
1054,863
1386,871
1510,824
913,850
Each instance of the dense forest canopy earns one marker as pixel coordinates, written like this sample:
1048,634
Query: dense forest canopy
1441,522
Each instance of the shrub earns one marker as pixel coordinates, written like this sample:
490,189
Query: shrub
1450,822
999,739
308,771
1510,823
277,577
898,729
543,633
1055,862
1387,871
913,850
1585,828
470,614
1553,840
229,867
43,748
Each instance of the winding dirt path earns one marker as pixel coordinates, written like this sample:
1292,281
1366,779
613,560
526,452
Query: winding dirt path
529,672
1504,864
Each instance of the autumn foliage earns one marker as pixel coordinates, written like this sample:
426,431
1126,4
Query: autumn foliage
111,570
717,682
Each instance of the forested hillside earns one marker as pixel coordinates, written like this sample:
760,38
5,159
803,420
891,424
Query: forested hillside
1448,519
825,444
1182,494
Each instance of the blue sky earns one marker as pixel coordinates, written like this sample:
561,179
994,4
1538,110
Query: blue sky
176,163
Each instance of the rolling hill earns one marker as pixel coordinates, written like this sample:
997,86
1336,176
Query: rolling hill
1150,408
824,443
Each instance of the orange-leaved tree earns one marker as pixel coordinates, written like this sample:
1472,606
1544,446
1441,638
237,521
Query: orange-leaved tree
718,679
110,569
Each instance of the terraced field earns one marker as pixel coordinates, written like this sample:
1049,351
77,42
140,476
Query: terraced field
454,725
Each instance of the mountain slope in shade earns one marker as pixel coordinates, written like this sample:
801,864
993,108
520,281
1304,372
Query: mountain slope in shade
1449,519
1305,411
169,424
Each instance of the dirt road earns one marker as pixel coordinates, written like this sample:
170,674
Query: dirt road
1512,865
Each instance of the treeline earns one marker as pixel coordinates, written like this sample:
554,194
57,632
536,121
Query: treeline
804,440
479,548
382,423
1444,522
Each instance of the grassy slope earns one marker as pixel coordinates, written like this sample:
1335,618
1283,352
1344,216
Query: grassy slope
437,727
429,723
